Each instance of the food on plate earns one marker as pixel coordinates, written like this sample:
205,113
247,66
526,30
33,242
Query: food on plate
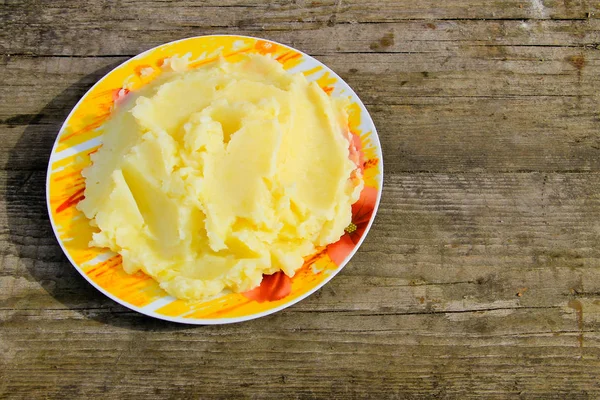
209,178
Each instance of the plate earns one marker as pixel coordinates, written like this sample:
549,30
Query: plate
81,135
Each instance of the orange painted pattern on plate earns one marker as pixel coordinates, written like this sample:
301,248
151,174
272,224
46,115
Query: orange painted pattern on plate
137,289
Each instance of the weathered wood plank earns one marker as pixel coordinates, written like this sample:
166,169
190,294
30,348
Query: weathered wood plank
68,37
503,135
230,13
292,352
470,285
522,108
459,70
452,237
429,93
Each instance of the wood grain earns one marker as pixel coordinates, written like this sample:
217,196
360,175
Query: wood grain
473,275
480,277
423,105
61,27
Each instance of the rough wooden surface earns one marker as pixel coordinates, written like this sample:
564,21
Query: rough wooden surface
480,277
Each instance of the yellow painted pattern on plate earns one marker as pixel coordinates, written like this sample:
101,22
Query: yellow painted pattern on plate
66,184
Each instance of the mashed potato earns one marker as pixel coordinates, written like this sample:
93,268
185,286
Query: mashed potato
210,178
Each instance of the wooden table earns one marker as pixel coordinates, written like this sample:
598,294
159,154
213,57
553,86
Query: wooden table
480,277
